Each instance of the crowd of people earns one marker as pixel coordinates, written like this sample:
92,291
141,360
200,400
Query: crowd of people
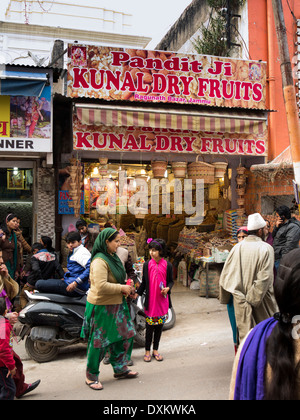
259,284
97,266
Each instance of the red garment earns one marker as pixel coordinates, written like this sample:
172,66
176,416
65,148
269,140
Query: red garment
19,378
6,345
158,304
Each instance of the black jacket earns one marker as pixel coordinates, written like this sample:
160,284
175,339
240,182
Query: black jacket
145,283
286,237
44,266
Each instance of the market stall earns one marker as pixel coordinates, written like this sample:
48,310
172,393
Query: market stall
149,127
200,253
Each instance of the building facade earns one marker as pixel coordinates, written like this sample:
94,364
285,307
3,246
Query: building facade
257,37
29,32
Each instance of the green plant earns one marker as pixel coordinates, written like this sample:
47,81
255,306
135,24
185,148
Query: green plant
214,38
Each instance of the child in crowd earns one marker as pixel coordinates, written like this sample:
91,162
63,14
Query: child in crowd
157,281
46,242
7,362
76,279
88,237
44,265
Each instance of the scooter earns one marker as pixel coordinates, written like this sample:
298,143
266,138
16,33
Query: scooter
138,318
51,321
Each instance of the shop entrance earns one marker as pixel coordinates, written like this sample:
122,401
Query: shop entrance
16,194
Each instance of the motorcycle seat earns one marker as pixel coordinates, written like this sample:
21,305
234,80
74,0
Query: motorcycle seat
52,297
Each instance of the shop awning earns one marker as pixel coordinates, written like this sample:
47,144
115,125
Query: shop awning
283,161
17,83
227,121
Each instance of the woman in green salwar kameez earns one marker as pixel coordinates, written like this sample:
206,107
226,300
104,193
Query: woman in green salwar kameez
107,324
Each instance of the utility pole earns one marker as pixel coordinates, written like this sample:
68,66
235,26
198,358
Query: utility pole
289,91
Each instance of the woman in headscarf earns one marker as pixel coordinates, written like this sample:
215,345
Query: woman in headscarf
10,245
107,324
9,288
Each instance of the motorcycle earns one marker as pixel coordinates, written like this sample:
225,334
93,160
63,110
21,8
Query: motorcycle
51,321
138,318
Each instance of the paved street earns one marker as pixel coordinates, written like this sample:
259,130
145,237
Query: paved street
198,354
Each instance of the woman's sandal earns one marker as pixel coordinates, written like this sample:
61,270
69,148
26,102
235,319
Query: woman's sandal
126,375
94,383
158,357
147,358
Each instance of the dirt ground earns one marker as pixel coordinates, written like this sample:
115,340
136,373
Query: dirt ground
198,356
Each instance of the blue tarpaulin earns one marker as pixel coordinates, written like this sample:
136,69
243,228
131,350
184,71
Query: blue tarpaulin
16,83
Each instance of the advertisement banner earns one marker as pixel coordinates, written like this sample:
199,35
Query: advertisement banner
64,200
25,123
127,139
4,116
158,76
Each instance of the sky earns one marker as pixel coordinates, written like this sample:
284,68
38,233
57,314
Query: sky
152,18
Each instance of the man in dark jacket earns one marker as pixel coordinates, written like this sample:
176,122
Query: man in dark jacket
44,266
286,233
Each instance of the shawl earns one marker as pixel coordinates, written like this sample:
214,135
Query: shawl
9,289
100,251
3,294
249,384
12,267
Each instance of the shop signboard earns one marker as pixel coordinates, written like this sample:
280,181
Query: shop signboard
145,139
165,77
25,123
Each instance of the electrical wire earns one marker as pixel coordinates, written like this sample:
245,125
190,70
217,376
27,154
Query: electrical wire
292,13
243,41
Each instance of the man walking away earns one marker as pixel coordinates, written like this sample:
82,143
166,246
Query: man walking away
247,275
